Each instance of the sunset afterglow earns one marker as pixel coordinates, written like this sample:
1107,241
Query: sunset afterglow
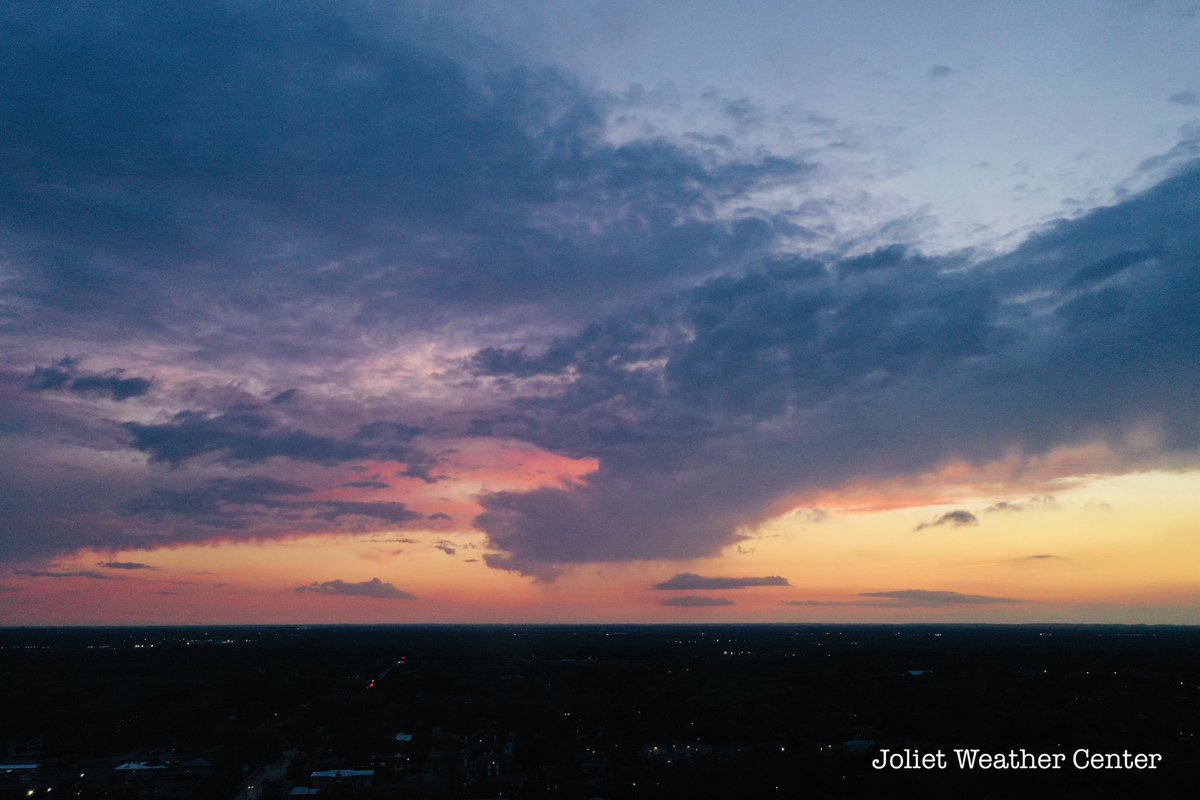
489,313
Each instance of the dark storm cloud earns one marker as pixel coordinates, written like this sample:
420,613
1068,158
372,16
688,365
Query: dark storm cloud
955,519
692,581
371,588
708,407
259,166
697,602
919,598
130,565
65,376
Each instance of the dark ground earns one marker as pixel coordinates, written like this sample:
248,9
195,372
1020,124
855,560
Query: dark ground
593,711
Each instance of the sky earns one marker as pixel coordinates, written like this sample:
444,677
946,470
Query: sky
599,312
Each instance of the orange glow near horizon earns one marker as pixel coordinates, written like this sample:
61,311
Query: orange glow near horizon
1121,548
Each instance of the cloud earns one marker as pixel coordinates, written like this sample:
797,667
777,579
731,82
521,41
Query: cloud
1044,502
364,157
1185,98
957,519
64,376
691,581
129,565
939,71
835,603
397,513
294,225
446,547
908,598
708,408
252,435
920,598
367,484
372,588
254,507
688,601
7,589
216,498
46,573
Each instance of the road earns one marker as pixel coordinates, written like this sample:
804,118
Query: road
252,784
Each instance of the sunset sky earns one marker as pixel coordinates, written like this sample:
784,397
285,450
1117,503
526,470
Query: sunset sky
599,312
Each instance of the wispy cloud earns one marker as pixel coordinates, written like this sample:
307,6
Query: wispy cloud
909,598
689,601
955,519
923,598
49,573
685,581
